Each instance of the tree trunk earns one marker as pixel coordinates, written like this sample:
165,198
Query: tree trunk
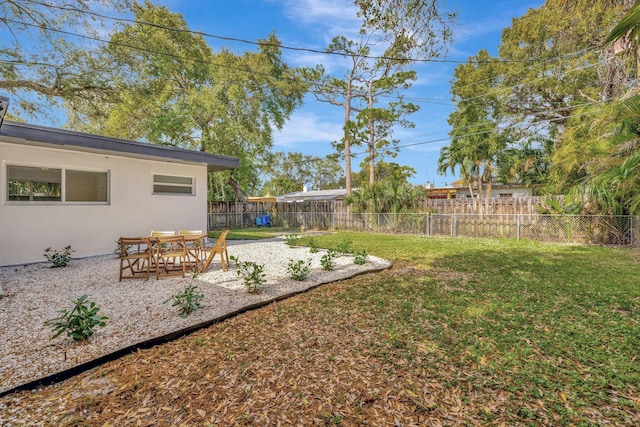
372,142
347,151
236,189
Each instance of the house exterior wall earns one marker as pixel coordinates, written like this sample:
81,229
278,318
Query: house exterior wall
499,191
27,228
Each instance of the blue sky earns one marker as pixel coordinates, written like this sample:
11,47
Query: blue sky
313,23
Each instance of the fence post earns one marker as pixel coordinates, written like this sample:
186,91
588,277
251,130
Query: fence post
518,227
453,225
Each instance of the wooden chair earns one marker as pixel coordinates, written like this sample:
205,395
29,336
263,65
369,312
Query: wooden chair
189,232
219,248
196,244
170,256
135,257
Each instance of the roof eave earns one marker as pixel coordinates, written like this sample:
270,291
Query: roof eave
78,141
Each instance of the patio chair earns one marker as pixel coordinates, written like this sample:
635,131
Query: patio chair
189,232
196,243
135,257
219,248
170,256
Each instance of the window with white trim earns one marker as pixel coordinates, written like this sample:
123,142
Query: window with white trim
171,184
29,184
86,186
43,184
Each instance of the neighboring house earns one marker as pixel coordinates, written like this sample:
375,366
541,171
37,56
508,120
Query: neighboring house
313,195
61,188
459,190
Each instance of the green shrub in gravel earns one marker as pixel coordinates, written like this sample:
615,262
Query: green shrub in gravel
328,260
58,258
188,300
360,258
253,275
80,322
298,270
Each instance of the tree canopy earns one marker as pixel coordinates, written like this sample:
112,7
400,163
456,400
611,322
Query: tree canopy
545,112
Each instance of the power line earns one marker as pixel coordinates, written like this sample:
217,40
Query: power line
514,126
281,46
141,49
569,107
436,102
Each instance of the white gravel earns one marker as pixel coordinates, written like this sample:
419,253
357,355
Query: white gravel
35,293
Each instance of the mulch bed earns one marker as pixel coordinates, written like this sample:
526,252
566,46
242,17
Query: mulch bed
294,362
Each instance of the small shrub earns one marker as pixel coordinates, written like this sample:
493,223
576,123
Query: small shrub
291,239
328,260
344,247
188,300
360,258
118,250
79,323
313,245
235,260
298,270
253,275
58,258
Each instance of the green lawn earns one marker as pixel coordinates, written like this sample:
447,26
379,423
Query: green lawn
554,329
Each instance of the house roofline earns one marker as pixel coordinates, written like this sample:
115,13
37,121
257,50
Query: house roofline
86,142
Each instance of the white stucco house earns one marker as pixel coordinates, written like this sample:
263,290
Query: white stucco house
60,188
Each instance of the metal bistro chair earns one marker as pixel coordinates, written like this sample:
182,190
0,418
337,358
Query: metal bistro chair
135,257
170,256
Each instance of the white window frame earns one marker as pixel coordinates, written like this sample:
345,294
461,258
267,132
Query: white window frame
63,178
164,181
92,171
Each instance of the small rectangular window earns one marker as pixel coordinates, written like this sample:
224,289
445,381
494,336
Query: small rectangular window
86,186
168,184
26,183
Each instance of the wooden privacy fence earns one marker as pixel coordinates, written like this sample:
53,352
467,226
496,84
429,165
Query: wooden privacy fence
240,215
244,214
487,205
485,222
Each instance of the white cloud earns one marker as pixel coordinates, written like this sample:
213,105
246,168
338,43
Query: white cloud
331,63
338,16
305,128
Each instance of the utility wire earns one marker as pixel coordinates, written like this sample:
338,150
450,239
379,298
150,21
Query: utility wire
514,126
300,49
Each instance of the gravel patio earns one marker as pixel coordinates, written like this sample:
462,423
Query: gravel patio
137,315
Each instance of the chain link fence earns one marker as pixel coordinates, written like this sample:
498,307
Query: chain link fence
583,229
